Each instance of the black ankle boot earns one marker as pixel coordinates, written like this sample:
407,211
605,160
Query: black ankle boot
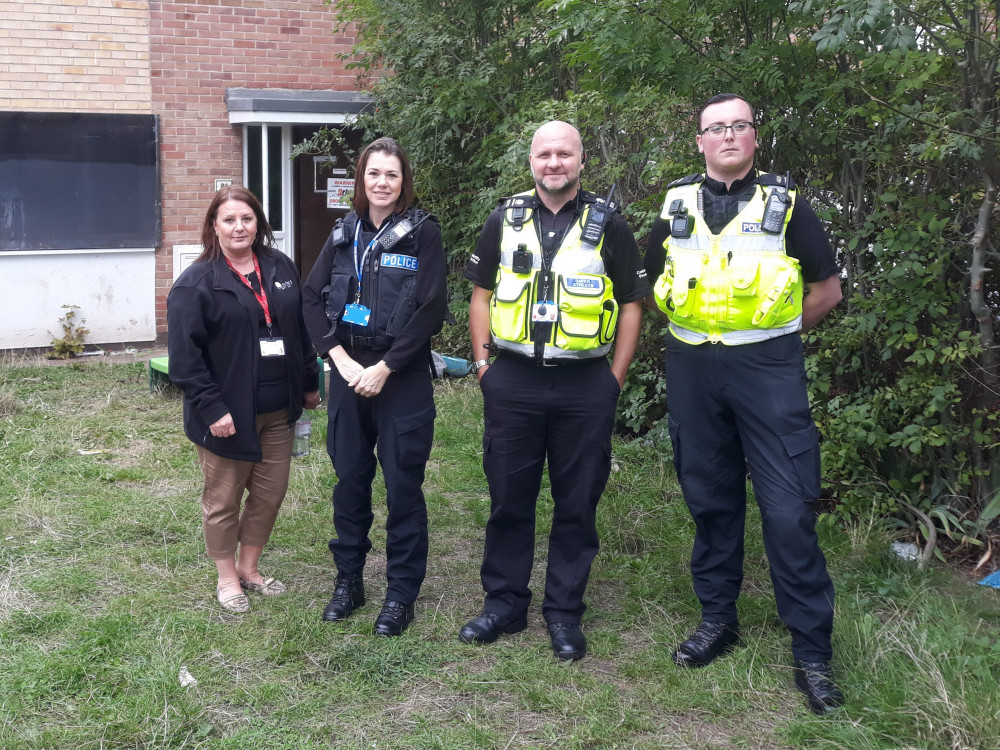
394,618
709,641
815,680
348,595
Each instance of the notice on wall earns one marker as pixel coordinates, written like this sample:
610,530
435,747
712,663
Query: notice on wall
339,191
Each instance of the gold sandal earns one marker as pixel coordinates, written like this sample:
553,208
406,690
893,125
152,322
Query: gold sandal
238,603
268,587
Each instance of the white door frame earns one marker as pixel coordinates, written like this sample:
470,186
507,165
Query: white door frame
285,238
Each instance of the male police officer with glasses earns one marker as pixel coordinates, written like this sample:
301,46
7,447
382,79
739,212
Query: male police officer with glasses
742,265
559,284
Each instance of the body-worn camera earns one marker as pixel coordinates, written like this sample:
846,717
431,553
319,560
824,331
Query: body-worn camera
681,222
522,261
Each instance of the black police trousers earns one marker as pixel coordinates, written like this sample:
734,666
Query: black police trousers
737,407
564,414
397,426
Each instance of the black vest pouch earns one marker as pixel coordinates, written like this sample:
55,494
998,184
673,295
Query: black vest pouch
406,305
338,292
335,296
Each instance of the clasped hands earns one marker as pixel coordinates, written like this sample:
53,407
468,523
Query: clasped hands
366,381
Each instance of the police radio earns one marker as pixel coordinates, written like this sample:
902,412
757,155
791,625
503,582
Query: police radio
776,208
399,230
597,218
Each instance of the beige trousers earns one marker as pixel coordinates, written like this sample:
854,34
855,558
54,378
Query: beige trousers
264,481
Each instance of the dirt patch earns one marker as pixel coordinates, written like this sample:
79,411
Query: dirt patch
112,353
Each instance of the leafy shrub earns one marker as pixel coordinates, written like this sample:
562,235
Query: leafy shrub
71,342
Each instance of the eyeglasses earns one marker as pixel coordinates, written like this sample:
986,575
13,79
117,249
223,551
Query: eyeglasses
719,131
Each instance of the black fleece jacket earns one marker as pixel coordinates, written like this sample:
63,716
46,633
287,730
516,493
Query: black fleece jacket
214,349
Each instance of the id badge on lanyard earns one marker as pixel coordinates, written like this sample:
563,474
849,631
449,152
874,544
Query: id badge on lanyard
272,347
544,312
356,313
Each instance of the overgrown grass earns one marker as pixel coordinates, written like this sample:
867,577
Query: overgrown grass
105,594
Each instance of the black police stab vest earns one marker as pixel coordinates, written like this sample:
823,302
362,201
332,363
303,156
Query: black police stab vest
388,282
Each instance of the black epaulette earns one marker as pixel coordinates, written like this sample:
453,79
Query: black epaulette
691,179
766,179
513,201
417,215
516,208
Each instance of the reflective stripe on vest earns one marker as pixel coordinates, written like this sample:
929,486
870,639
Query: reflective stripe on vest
736,287
587,312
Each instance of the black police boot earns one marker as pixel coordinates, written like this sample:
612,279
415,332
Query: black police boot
348,595
568,642
815,680
487,627
707,642
394,618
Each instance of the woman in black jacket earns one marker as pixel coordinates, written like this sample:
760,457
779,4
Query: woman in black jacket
376,295
239,351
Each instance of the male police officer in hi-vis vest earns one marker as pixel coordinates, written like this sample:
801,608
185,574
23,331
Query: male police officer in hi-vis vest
741,266
559,285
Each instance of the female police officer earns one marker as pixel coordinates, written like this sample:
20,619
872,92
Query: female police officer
372,302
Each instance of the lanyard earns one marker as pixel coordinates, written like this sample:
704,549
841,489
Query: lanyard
359,264
261,298
549,258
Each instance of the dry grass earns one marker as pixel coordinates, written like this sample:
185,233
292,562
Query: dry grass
105,593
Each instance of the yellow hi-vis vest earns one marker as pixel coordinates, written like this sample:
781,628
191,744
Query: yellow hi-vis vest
735,287
586,312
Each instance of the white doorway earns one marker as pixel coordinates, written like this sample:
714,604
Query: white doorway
267,171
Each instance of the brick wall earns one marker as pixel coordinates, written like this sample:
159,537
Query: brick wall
197,51
75,55
175,60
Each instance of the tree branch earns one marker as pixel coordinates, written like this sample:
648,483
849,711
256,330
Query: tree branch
931,125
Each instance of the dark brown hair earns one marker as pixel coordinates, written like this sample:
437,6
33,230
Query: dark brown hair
210,240
387,145
718,99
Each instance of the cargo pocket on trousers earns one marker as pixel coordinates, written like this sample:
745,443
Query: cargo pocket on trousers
414,437
802,447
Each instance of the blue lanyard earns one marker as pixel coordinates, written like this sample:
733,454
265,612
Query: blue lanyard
360,264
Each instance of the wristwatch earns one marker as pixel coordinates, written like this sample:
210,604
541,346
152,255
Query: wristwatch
477,364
